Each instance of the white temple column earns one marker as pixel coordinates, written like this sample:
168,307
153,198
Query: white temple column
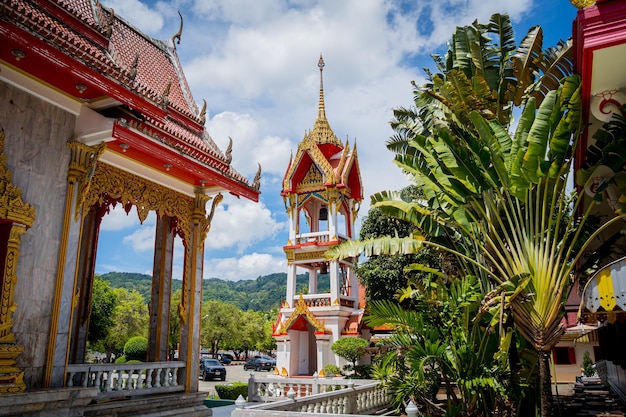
334,281
291,284
313,281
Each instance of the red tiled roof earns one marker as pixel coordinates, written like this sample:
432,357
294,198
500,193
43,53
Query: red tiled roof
105,47
157,67
84,10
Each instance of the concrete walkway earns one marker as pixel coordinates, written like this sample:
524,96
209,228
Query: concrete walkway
223,411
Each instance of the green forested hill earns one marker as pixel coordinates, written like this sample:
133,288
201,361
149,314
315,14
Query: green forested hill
261,294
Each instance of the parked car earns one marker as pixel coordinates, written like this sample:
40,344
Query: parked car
266,358
212,369
258,364
225,358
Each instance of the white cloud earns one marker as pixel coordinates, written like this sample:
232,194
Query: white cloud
117,219
241,224
141,240
139,14
272,152
246,267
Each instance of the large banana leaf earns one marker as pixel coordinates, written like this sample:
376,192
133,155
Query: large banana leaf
525,61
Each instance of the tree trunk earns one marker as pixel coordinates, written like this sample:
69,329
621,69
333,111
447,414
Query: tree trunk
545,384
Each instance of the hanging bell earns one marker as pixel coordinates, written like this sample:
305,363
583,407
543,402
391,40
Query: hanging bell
324,213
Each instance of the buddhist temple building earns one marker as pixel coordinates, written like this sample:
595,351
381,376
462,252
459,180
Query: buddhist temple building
94,113
599,40
322,191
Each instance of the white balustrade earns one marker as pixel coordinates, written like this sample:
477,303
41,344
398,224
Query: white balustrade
115,380
329,396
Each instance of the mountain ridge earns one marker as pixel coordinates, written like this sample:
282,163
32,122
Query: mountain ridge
261,294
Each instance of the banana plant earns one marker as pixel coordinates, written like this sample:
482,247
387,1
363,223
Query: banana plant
440,343
507,197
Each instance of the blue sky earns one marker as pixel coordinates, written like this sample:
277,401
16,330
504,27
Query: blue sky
255,63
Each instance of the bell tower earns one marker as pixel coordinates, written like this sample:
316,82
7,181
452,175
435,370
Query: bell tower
322,192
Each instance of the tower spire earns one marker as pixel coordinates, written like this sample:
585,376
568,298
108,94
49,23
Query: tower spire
321,111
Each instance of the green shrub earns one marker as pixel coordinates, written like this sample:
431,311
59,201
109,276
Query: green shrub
331,370
232,391
136,348
350,348
587,369
120,359
362,372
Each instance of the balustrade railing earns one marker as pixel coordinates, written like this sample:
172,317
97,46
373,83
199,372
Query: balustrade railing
317,396
117,380
324,300
276,388
316,238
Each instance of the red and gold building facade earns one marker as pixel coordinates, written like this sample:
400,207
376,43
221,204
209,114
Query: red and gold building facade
93,113
599,39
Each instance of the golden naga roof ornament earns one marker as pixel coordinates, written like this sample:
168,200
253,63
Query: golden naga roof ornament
108,25
202,114
229,150
132,72
178,34
256,184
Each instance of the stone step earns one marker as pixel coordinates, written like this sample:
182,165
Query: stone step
183,404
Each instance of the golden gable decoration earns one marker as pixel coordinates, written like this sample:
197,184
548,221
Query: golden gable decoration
301,309
312,181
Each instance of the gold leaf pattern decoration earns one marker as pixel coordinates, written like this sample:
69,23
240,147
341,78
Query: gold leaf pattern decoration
145,195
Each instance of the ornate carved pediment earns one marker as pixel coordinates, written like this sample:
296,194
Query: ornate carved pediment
313,180
301,309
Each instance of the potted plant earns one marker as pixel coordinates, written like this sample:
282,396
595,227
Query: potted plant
588,370
331,370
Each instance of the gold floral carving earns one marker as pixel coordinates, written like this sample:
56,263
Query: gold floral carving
581,4
12,207
307,256
140,192
312,180
20,216
200,210
301,309
82,167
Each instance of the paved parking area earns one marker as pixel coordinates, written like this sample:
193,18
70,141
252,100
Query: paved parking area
234,373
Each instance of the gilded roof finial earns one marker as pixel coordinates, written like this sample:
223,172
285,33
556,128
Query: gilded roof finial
321,112
256,184
229,151
178,34
165,97
203,112
133,67
108,26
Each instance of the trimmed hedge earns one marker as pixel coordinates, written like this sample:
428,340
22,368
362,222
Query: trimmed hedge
136,348
232,391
